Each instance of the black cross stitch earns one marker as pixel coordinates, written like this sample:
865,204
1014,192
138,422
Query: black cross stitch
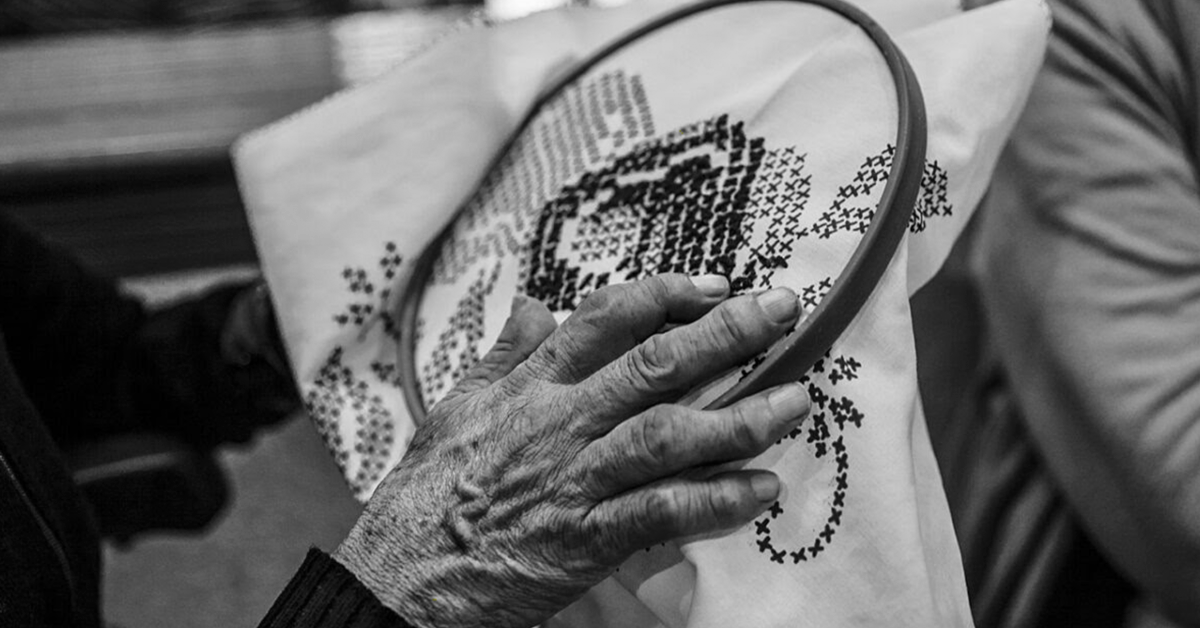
387,372
323,401
357,312
336,389
933,200
371,295
584,127
845,214
846,368
680,203
778,197
457,348
854,206
821,380
812,294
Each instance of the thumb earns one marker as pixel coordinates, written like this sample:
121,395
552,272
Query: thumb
529,324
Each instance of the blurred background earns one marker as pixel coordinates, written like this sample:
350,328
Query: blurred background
116,121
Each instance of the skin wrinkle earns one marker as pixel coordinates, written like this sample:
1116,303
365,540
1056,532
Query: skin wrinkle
460,530
655,365
657,292
498,564
502,496
654,440
474,499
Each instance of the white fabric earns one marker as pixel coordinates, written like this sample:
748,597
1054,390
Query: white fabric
789,107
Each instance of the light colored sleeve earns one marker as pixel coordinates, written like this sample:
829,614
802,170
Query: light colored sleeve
1089,269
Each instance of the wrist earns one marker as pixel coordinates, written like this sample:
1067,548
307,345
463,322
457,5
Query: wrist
413,573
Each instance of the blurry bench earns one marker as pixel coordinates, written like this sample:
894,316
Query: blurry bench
117,145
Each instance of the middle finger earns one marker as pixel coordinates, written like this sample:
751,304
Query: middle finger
665,366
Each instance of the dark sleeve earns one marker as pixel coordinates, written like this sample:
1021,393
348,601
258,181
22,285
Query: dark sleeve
324,594
95,363
67,329
1089,270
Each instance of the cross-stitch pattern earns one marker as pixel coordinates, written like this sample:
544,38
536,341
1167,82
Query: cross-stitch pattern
371,293
854,206
592,194
751,144
338,389
681,203
584,127
458,347
826,443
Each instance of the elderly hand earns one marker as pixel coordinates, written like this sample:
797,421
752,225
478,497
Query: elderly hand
561,454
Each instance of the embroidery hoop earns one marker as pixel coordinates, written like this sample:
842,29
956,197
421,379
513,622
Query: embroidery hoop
797,353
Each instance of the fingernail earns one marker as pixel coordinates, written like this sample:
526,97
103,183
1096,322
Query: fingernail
765,486
781,304
711,285
789,402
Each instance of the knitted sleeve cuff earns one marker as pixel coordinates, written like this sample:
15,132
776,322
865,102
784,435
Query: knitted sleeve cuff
324,594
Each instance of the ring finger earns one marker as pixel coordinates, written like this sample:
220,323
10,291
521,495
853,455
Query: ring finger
669,439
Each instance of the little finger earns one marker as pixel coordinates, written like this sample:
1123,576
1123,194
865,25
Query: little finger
679,507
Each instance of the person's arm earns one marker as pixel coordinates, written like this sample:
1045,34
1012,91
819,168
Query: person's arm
96,363
562,453
67,331
324,594
1090,276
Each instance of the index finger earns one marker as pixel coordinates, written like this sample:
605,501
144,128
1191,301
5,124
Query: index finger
614,319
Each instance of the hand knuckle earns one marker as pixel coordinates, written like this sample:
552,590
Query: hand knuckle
745,431
653,516
669,508
656,284
732,325
661,287
554,359
602,470
654,362
602,300
724,504
657,436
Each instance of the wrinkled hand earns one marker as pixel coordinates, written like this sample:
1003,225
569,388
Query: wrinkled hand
561,453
